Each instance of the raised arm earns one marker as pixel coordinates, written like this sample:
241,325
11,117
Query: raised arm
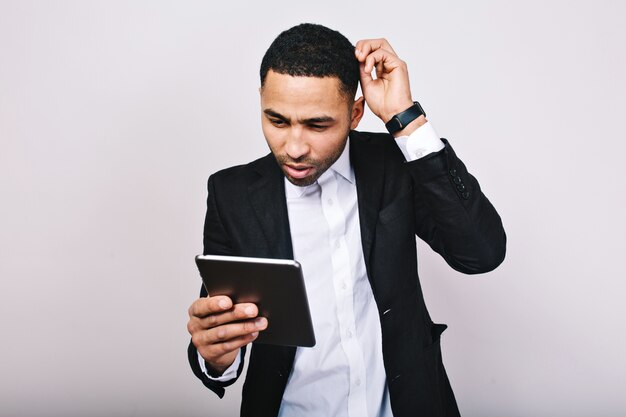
451,213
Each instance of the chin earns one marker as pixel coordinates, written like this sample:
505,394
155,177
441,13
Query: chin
302,182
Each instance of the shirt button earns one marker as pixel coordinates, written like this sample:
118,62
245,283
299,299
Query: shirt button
343,286
349,334
330,201
338,244
357,382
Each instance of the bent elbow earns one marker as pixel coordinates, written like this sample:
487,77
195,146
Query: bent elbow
485,257
491,259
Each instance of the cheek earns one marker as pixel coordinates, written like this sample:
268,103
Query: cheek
329,145
273,137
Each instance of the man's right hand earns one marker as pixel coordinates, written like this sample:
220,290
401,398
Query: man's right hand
218,329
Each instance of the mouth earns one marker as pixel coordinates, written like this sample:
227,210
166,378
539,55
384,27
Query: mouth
298,171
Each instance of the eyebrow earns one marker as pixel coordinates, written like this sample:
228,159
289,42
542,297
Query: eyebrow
310,120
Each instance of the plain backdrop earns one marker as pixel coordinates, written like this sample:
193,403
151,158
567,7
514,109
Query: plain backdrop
114,113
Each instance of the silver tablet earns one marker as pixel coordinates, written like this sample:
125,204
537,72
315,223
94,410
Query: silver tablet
276,286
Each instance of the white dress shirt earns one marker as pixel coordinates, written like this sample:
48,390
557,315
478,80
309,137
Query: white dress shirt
343,374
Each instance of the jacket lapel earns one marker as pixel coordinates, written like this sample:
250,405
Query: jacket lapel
267,197
368,162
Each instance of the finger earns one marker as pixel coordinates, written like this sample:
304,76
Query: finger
382,60
366,77
230,331
380,67
239,312
213,352
366,46
388,60
204,306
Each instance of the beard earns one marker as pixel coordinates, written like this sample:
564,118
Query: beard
311,170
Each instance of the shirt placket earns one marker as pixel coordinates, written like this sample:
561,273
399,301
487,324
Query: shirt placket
344,295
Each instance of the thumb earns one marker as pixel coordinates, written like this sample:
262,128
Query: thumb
366,77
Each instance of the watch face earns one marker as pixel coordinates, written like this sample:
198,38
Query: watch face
419,107
400,120
393,125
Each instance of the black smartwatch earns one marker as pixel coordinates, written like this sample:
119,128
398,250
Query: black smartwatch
401,120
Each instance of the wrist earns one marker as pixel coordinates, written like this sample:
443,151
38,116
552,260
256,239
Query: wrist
411,127
215,370
407,121
397,109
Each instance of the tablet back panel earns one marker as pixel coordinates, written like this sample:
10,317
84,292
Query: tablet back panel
276,286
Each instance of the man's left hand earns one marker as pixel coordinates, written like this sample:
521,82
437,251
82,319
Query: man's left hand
390,93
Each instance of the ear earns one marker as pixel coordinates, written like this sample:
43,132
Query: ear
358,108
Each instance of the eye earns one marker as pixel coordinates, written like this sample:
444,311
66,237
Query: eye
318,127
278,122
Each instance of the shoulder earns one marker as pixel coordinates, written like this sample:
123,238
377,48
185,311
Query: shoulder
371,138
363,144
240,175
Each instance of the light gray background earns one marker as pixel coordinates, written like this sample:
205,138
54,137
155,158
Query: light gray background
113,114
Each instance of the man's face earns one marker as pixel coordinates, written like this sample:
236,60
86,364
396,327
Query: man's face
306,121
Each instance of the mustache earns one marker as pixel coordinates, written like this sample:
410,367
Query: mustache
286,159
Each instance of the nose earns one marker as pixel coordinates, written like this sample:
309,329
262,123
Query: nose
296,146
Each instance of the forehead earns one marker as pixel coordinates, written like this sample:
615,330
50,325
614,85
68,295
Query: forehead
290,92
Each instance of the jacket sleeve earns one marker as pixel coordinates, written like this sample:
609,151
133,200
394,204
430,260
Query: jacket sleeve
453,215
216,242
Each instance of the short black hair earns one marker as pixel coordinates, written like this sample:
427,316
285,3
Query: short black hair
312,50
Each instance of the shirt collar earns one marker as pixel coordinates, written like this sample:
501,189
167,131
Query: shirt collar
341,166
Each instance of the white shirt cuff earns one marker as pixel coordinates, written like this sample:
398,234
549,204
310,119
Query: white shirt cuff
420,143
229,374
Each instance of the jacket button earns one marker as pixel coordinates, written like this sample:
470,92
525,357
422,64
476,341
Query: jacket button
453,172
461,187
466,195
457,180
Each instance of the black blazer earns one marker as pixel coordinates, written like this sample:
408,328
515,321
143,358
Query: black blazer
434,197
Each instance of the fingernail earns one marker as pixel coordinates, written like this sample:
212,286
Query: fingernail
260,322
249,311
223,303
358,52
255,334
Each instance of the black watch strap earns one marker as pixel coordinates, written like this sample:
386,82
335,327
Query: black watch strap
401,120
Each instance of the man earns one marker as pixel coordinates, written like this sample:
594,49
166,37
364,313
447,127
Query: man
347,205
